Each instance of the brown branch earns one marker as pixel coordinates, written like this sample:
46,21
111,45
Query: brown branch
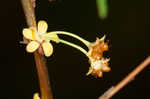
39,59
113,90
43,76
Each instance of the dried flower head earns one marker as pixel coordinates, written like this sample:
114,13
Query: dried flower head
98,67
97,48
35,40
98,63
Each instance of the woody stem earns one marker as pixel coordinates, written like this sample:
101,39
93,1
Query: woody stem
113,90
39,59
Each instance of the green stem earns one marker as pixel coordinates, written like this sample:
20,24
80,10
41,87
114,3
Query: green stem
87,43
68,43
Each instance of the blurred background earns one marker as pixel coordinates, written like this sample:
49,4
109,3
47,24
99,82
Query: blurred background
128,21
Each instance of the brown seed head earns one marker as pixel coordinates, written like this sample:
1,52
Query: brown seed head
97,49
98,63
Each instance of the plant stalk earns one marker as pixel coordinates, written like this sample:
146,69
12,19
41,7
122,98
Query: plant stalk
87,43
42,72
113,90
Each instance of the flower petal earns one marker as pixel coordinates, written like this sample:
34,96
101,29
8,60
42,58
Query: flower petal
28,33
47,48
54,36
32,46
36,96
99,74
42,27
103,38
105,68
89,72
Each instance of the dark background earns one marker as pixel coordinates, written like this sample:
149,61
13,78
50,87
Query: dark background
128,22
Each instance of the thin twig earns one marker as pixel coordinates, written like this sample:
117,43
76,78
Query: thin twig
39,59
45,88
108,94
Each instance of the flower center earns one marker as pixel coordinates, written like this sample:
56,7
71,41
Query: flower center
97,65
38,36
